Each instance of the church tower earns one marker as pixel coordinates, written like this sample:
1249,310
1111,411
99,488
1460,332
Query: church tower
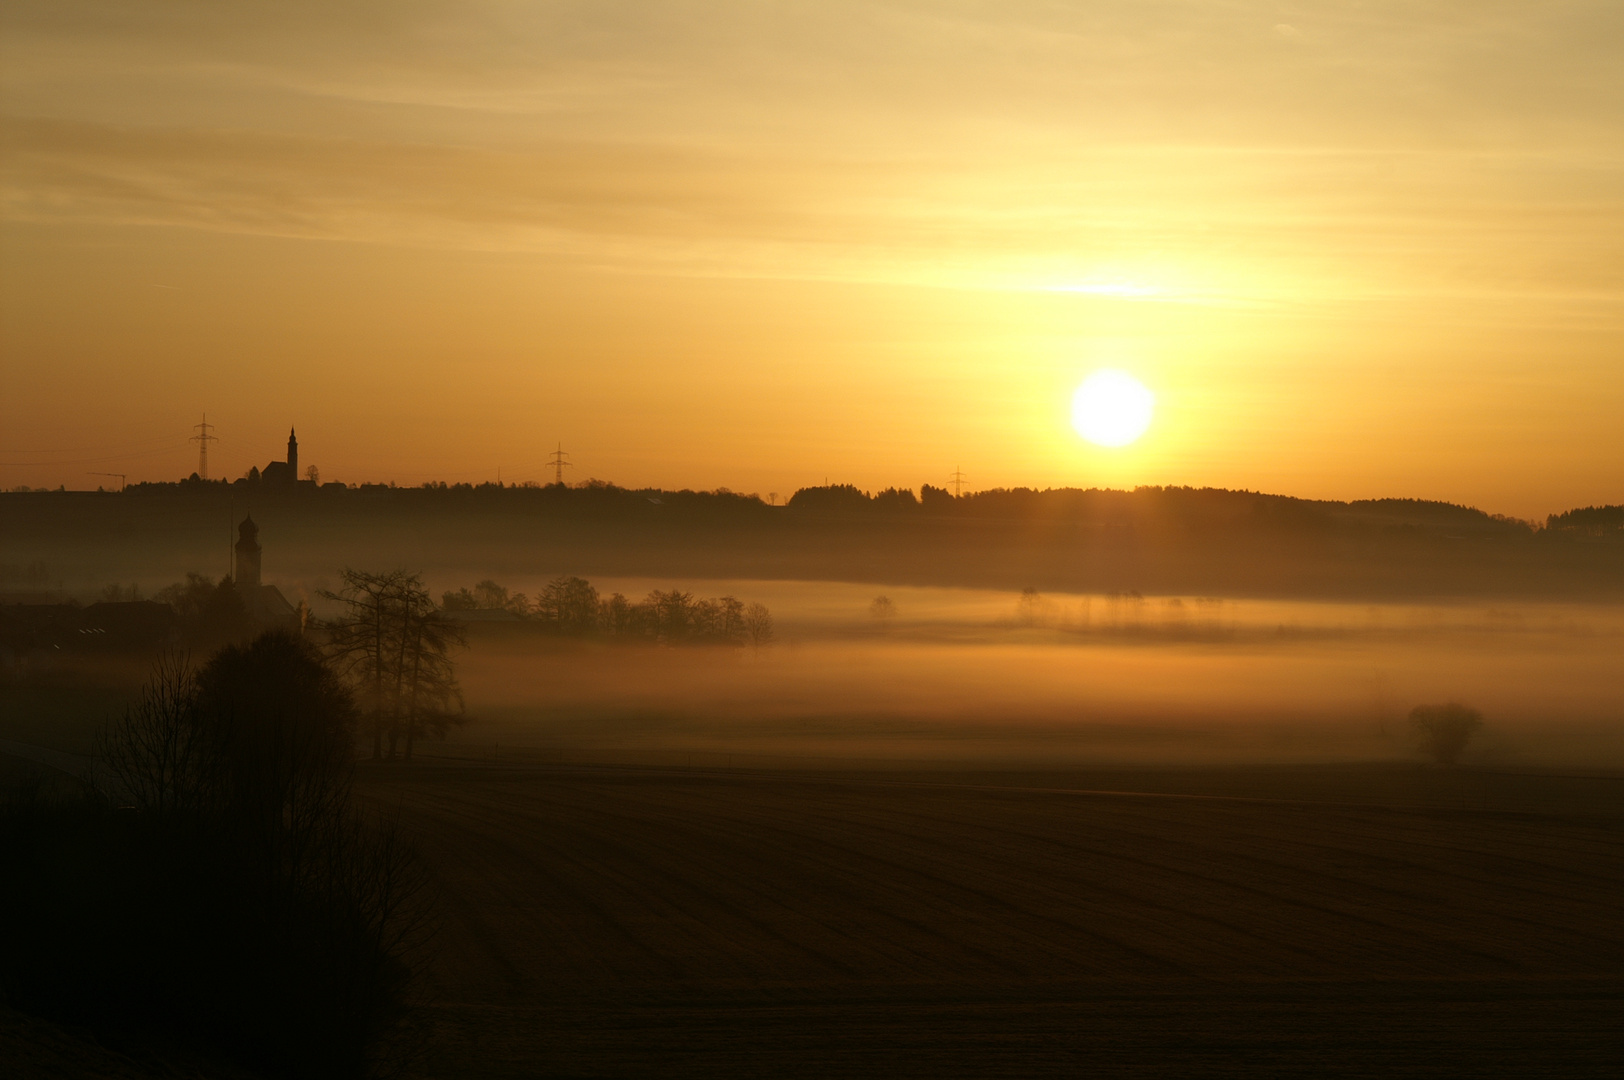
248,550
293,457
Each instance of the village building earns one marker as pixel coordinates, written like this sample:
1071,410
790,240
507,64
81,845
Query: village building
264,604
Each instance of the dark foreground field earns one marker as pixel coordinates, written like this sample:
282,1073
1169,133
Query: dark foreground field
1332,922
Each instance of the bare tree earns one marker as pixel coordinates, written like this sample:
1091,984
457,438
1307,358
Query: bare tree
882,608
672,614
155,752
365,639
395,645
758,625
431,697
569,603
615,616
490,596
717,622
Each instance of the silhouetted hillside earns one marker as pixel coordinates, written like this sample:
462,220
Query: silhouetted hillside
1198,541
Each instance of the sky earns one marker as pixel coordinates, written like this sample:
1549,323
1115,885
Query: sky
1355,249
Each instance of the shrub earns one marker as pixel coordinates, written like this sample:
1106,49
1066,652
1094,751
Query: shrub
1444,730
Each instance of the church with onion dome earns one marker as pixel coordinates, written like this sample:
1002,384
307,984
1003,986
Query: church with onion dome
264,603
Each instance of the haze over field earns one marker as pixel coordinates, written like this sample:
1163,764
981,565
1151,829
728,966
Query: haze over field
901,538
1267,683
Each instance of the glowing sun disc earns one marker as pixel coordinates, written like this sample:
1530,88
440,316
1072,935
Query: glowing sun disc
1111,408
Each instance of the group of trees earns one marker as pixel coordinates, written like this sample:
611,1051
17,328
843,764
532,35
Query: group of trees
572,606
395,645
223,890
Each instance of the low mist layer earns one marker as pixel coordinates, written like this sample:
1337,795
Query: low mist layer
966,677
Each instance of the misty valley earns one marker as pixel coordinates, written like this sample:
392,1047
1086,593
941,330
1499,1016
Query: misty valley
547,793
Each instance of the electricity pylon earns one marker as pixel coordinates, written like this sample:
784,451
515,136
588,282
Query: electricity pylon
958,481
203,438
559,461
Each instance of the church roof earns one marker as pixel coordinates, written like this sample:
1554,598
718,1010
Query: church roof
267,604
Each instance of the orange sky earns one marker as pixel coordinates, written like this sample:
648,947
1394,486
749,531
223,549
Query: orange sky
1355,250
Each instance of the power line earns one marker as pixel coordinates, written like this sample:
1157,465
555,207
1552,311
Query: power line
115,456
958,481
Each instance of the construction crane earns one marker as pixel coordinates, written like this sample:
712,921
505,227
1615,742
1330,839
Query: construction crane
117,474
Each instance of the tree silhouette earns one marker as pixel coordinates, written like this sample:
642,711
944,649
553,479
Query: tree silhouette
247,898
361,640
278,731
758,625
571,604
430,699
1444,730
615,616
155,752
490,596
672,614
395,645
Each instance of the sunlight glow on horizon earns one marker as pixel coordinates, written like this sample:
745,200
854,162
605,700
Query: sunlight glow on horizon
752,245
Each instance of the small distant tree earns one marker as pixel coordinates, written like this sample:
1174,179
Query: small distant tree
188,598
569,603
758,625
490,596
718,622
312,474
882,608
673,614
615,616
1444,730
461,600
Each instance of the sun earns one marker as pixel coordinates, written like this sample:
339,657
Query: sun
1111,408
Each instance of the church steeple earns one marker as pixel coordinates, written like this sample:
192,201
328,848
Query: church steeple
293,456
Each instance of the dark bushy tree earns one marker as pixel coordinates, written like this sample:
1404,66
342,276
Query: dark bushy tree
279,744
1444,730
245,903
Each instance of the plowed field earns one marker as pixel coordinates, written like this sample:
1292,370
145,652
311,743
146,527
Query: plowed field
688,923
